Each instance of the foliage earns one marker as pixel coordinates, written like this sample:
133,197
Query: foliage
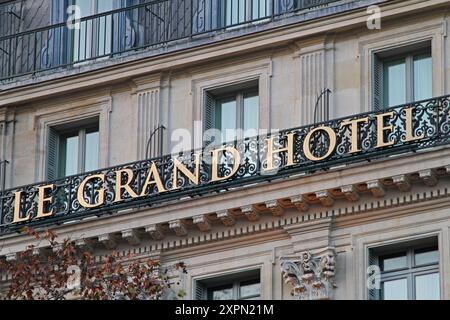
66,271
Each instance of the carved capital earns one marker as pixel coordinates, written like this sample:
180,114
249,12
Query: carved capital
226,218
275,208
311,274
300,203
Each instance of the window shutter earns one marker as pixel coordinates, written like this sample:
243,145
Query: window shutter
200,292
374,294
209,118
377,83
52,154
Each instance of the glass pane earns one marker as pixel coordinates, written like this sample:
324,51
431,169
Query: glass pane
86,7
395,82
395,290
92,146
222,294
104,27
425,257
393,263
250,290
71,156
427,287
228,119
423,77
251,115
235,11
260,9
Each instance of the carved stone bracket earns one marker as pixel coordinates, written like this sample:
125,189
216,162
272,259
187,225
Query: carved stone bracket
226,218
300,203
311,274
132,236
428,177
350,193
155,231
178,227
376,188
275,208
325,198
250,213
202,222
108,240
402,182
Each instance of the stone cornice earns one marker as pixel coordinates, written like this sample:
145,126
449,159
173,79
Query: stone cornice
217,50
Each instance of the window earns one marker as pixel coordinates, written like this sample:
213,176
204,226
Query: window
239,11
73,149
242,286
408,271
93,37
402,75
234,111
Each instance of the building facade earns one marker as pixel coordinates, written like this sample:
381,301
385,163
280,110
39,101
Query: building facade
327,176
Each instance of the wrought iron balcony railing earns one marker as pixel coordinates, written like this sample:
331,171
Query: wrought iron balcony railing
149,24
349,140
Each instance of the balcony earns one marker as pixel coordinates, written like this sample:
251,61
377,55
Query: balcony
37,36
154,182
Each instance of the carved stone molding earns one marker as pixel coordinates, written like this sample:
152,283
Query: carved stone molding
108,240
325,198
311,274
178,227
428,177
132,236
350,193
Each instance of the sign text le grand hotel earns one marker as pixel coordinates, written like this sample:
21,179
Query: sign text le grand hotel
364,136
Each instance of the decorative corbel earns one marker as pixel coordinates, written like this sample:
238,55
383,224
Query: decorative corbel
274,207
202,222
226,218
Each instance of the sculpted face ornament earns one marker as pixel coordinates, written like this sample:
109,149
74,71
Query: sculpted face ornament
311,275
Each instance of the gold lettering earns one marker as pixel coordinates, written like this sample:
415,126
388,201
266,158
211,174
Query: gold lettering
215,162
307,141
193,177
409,127
289,149
157,180
17,213
382,129
42,200
126,186
101,193
354,131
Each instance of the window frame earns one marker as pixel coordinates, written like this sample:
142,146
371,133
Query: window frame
81,133
232,280
411,271
409,60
